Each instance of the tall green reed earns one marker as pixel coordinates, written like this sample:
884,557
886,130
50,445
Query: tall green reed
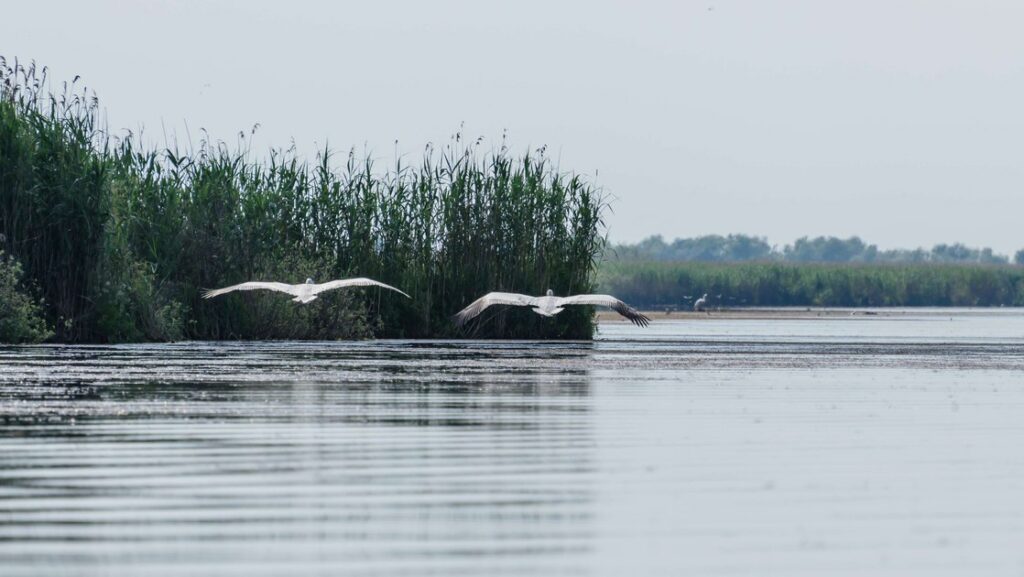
125,236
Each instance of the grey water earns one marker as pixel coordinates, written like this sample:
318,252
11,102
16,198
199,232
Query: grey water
888,445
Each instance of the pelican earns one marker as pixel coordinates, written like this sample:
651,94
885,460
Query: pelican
303,293
699,305
548,305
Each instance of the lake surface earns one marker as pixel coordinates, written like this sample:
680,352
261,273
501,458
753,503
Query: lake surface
715,446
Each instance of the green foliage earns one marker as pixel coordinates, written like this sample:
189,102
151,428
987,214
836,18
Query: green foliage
742,248
829,249
123,238
783,284
710,248
52,191
21,319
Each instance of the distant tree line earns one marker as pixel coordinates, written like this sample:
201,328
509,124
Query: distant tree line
822,249
678,284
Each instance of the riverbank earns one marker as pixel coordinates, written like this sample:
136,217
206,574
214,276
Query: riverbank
812,313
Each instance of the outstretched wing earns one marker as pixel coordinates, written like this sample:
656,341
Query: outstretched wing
350,282
462,317
248,286
611,302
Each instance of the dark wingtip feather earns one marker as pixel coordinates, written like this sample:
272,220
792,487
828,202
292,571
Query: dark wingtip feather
636,317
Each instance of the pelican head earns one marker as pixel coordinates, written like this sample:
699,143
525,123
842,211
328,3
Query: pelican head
550,293
309,281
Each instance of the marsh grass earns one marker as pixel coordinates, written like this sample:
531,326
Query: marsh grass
122,238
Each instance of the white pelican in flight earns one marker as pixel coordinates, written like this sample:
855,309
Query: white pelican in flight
303,293
548,305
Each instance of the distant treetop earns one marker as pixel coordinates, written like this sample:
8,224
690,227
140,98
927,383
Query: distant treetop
743,248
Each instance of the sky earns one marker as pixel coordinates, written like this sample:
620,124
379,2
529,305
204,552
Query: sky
899,121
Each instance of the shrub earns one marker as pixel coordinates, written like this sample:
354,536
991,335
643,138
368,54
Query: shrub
21,316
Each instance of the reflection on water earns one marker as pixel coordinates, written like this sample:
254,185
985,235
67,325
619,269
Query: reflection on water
711,447
261,457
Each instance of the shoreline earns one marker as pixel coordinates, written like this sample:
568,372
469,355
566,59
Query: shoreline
810,313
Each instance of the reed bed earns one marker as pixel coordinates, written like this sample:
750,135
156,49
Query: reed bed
119,239
675,284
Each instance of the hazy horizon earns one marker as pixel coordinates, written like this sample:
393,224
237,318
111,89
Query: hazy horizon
897,122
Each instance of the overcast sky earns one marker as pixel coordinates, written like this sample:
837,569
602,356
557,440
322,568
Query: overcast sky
895,120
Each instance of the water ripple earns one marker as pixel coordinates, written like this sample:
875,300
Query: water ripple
755,449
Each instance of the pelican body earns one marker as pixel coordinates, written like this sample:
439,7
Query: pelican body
548,305
304,293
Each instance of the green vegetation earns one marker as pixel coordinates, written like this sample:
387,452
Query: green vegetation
742,248
710,248
120,239
658,284
21,316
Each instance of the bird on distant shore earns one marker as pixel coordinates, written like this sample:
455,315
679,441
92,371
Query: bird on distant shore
701,302
548,305
303,293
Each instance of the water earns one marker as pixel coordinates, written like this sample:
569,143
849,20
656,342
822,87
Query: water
859,446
